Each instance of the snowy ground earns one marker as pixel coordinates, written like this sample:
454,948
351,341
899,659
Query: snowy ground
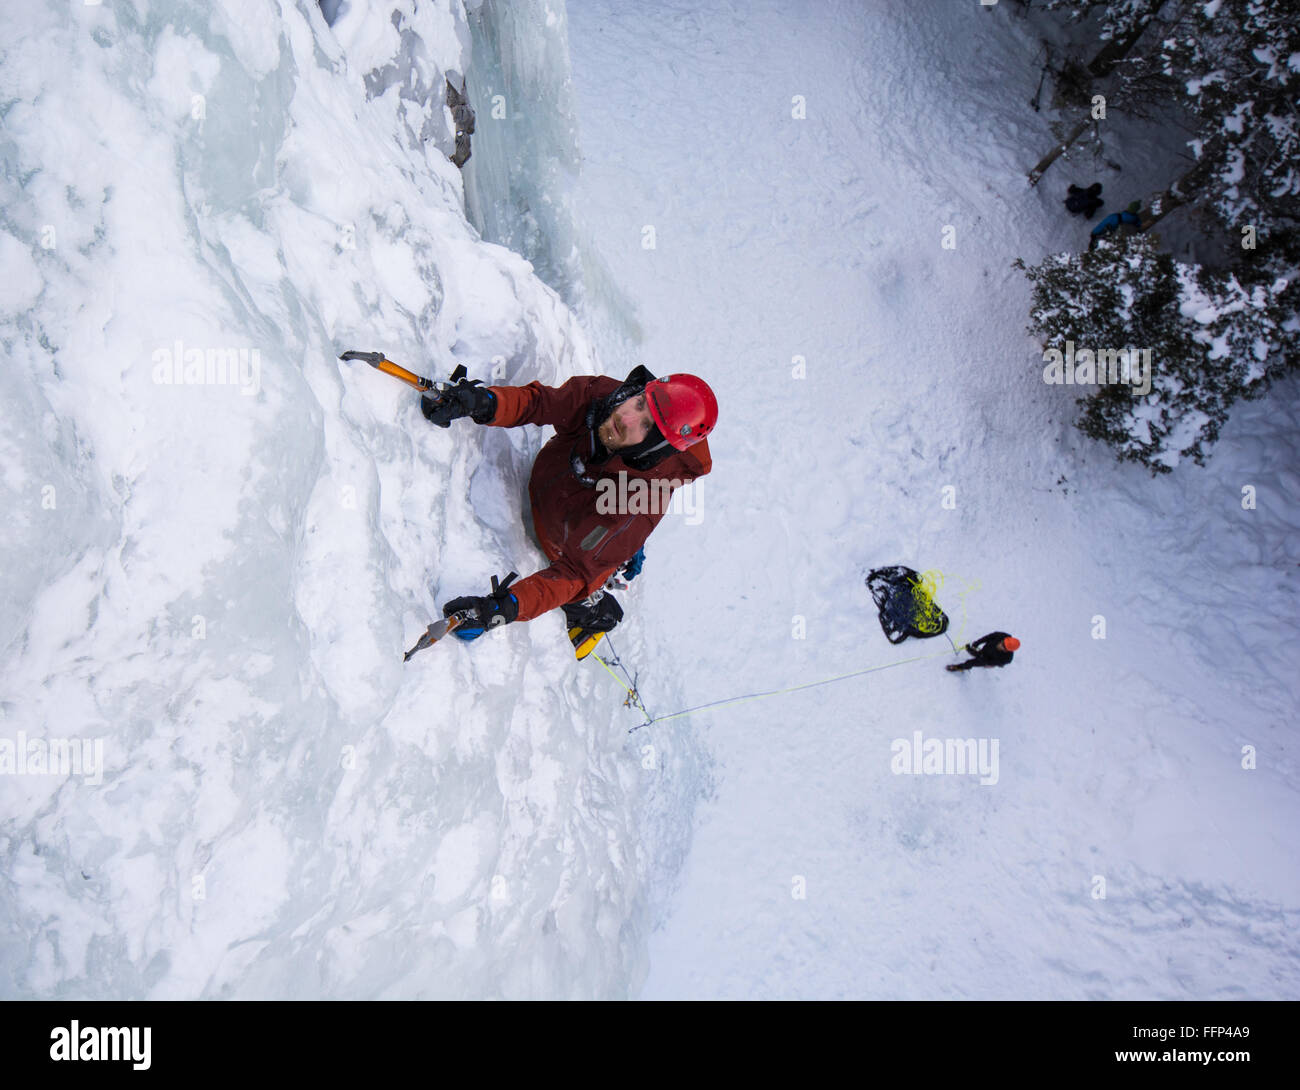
215,580
1121,757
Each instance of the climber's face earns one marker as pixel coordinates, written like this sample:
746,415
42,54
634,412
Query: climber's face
627,425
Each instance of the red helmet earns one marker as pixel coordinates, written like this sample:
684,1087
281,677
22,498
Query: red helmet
683,407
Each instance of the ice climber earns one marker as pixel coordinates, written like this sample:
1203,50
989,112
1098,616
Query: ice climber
650,429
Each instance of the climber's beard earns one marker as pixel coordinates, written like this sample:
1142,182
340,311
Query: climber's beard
610,436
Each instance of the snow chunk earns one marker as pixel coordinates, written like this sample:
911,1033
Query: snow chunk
182,69
462,856
22,282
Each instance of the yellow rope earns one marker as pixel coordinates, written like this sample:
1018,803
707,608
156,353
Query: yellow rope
772,692
631,693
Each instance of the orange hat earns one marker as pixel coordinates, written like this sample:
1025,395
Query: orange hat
1011,643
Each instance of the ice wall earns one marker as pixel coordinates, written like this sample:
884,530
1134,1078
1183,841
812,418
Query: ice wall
221,538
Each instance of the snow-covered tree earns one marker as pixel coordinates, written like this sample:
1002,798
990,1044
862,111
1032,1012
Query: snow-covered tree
1233,67
1122,24
1230,68
1213,339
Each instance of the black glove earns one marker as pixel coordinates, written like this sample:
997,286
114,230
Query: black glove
498,608
468,397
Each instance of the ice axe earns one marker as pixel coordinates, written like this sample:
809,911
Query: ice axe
452,621
438,629
435,632
424,385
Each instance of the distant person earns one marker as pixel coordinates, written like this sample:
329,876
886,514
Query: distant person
1128,222
995,649
1084,202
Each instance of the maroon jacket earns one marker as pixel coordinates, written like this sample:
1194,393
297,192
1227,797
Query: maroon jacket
583,545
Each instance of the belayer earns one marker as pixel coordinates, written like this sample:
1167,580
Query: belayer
995,649
653,430
1084,202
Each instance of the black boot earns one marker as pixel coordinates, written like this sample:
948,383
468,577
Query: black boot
591,618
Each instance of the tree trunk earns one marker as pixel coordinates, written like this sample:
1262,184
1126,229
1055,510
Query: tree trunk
1186,188
1060,149
1168,201
1115,51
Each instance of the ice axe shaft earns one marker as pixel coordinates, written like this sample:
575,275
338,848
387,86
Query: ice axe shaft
380,363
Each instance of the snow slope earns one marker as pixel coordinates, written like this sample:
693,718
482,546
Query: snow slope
215,579
1119,758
